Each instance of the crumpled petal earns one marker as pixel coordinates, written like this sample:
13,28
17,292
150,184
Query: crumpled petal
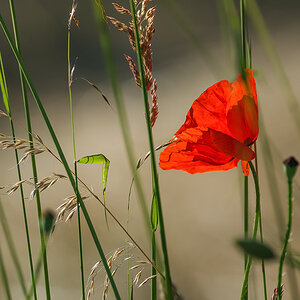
242,109
209,109
195,152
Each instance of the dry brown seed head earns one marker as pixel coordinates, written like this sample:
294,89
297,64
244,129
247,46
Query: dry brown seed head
121,9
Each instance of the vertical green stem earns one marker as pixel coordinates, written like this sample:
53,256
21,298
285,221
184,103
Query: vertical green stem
287,236
246,213
61,155
111,67
33,162
153,162
12,248
154,280
75,168
10,242
4,278
244,292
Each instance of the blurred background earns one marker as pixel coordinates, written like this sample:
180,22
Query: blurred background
192,49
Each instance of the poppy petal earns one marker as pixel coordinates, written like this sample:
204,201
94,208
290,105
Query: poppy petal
209,109
242,120
230,146
195,152
242,110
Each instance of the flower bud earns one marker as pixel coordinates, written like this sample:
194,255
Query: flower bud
290,167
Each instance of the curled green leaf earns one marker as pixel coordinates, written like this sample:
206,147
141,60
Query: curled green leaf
98,159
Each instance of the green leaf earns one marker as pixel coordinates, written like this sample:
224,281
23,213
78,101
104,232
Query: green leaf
256,249
3,86
154,213
98,159
99,3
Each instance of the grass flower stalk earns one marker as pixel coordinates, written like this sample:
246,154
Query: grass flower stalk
61,155
33,162
152,151
70,73
4,224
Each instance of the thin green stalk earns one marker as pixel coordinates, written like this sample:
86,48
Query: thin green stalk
153,273
33,162
7,105
246,214
121,110
287,236
4,278
75,168
278,210
80,237
37,270
12,247
244,292
61,154
152,154
243,65
243,54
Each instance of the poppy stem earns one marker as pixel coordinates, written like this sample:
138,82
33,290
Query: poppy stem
244,293
152,151
246,219
287,236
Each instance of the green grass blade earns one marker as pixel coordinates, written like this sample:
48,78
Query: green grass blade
4,278
12,247
121,110
152,153
61,155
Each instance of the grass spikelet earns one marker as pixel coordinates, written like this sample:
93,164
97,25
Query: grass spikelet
68,208
3,114
114,261
121,9
72,16
46,183
146,280
277,294
16,186
137,277
154,107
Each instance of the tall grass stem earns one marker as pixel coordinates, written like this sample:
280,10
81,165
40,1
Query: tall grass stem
12,247
4,277
75,167
33,162
61,154
121,110
152,154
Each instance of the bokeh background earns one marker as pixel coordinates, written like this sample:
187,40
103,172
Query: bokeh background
203,212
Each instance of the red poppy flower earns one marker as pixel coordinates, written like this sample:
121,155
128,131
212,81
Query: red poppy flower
218,131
